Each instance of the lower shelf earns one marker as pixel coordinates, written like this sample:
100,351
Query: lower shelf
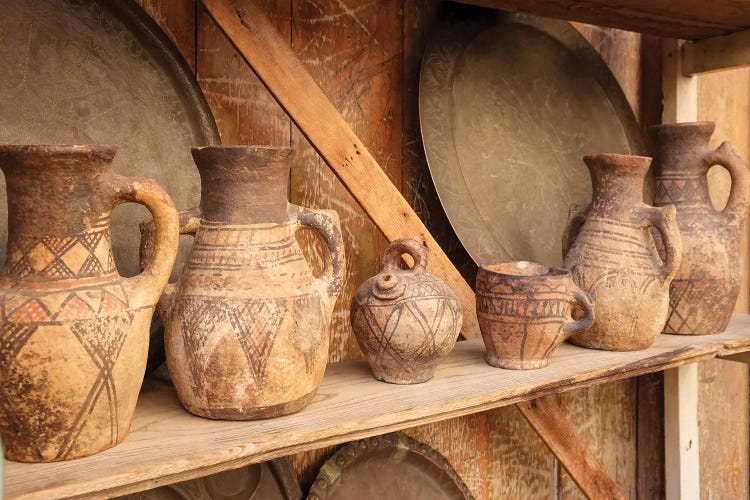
167,444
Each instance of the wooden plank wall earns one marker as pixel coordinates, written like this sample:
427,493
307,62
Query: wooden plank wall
366,56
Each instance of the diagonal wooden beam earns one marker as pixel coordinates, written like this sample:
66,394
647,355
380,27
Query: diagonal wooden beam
587,471
286,77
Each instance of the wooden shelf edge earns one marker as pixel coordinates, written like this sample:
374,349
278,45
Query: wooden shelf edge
716,54
665,18
167,444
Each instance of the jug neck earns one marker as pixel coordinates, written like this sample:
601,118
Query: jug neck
679,165
617,181
244,184
60,201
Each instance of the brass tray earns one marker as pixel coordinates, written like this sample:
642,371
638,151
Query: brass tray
509,104
99,71
272,480
389,467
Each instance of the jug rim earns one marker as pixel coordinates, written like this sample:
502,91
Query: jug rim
525,270
105,152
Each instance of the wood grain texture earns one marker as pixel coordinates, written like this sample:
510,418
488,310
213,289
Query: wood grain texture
167,444
245,112
723,413
177,19
577,459
688,19
718,53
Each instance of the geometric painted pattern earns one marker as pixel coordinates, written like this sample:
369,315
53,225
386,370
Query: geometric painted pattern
425,304
82,256
681,190
99,317
254,322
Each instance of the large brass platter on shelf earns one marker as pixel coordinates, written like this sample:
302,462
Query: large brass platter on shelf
389,467
509,104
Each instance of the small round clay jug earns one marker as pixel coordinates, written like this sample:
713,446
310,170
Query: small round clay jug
704,291
247,324
610,252
405,320
73,333
525,312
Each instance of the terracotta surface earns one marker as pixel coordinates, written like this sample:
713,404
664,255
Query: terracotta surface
73,332
610,252
405,320
525,312
247,323
389,467
705,289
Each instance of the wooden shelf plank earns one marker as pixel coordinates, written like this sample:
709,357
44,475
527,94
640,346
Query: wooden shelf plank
717,53
687,19
166,444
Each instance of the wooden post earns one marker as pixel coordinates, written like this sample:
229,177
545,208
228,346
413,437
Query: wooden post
681,461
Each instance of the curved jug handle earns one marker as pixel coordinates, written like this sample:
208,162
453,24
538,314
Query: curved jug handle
576,218
189,220
739,196
664,219
145,288
583,298
326,223
410,246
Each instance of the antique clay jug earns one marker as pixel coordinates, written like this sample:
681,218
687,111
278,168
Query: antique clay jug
610,252
74,333
246,326
405,320
705,289
525,312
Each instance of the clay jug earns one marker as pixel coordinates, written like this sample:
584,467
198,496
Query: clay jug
705,289
525,312
405,320
609,250
247,324
73,333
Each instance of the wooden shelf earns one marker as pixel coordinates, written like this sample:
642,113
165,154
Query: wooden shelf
687,19
166,444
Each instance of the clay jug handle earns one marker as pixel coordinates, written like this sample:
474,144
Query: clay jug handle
145,289
581,297
189,221
739,197
410,246
326,223
576,218
664,219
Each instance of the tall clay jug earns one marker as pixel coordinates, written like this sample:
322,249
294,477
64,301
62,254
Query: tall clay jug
705,289
246,326
73,333
611,254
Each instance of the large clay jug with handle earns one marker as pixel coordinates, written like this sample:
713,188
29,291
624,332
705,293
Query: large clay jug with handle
610,252
704,291
246,326
73,333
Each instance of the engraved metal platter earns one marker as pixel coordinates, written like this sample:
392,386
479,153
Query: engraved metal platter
388,467
102,72
272,480
509,104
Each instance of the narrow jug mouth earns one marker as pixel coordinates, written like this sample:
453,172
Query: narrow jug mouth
701,131
619,162
523,269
